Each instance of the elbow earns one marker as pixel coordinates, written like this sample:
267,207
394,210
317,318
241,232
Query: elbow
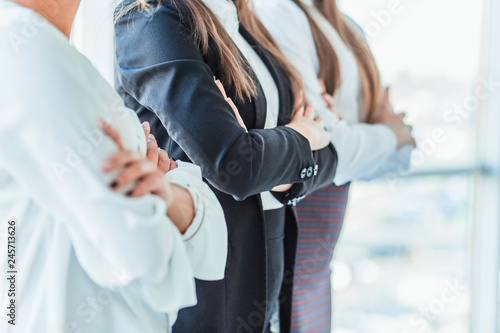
235,181
239,187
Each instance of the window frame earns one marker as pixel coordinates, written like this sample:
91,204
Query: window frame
485,236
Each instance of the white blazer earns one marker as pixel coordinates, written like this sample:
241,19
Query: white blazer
364,151
87,259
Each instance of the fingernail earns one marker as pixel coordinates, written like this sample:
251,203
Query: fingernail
150,137
114,184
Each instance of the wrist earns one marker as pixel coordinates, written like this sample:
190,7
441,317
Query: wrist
181,208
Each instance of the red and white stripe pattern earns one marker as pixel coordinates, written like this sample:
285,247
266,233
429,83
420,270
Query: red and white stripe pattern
321,216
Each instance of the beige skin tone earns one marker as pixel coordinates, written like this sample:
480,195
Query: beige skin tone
386,116
146,172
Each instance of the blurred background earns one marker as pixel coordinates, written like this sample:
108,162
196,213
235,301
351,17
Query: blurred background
420,250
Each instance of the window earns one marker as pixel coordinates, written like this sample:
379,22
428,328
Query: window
419,253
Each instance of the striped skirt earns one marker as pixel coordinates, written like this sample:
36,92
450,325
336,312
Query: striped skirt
321,216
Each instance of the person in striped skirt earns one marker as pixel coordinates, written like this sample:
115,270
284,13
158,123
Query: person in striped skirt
342,82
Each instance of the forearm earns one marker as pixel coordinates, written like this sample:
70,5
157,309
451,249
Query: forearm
181,209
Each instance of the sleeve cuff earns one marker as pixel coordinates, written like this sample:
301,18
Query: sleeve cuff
206,238
184,179
387,137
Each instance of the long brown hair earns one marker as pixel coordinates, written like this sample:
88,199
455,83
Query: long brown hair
206,26
328,61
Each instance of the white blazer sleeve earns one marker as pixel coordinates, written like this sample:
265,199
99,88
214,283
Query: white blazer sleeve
48,144
361,148
206,238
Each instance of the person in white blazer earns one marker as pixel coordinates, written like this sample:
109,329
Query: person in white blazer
85,249
342,82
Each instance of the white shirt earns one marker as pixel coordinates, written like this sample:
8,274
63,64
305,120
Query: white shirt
348,97
228,16
364,151
87,259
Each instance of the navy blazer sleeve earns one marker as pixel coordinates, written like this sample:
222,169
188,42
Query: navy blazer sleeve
160,66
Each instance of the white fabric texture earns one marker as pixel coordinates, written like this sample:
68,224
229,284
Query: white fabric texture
364,151
89,259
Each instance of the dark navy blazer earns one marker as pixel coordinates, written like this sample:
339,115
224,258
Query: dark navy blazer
163,75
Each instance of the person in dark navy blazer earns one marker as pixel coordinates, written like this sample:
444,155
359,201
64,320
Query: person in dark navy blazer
166,74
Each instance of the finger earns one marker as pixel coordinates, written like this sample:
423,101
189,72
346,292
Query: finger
163,161
309,112
149,184
299,100
133,172
221,88
385,94
120,159
147,128
386,104
299,114
329,99
111,133
322,85
152,152
328,106
173,165
402,115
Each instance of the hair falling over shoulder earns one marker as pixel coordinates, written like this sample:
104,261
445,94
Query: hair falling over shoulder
206,26
328,60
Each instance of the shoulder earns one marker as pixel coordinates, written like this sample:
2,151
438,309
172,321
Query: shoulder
34,53
286,21
126,15
280,10
354,25
22,31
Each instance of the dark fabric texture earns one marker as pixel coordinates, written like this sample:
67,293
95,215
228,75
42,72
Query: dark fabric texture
164,77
